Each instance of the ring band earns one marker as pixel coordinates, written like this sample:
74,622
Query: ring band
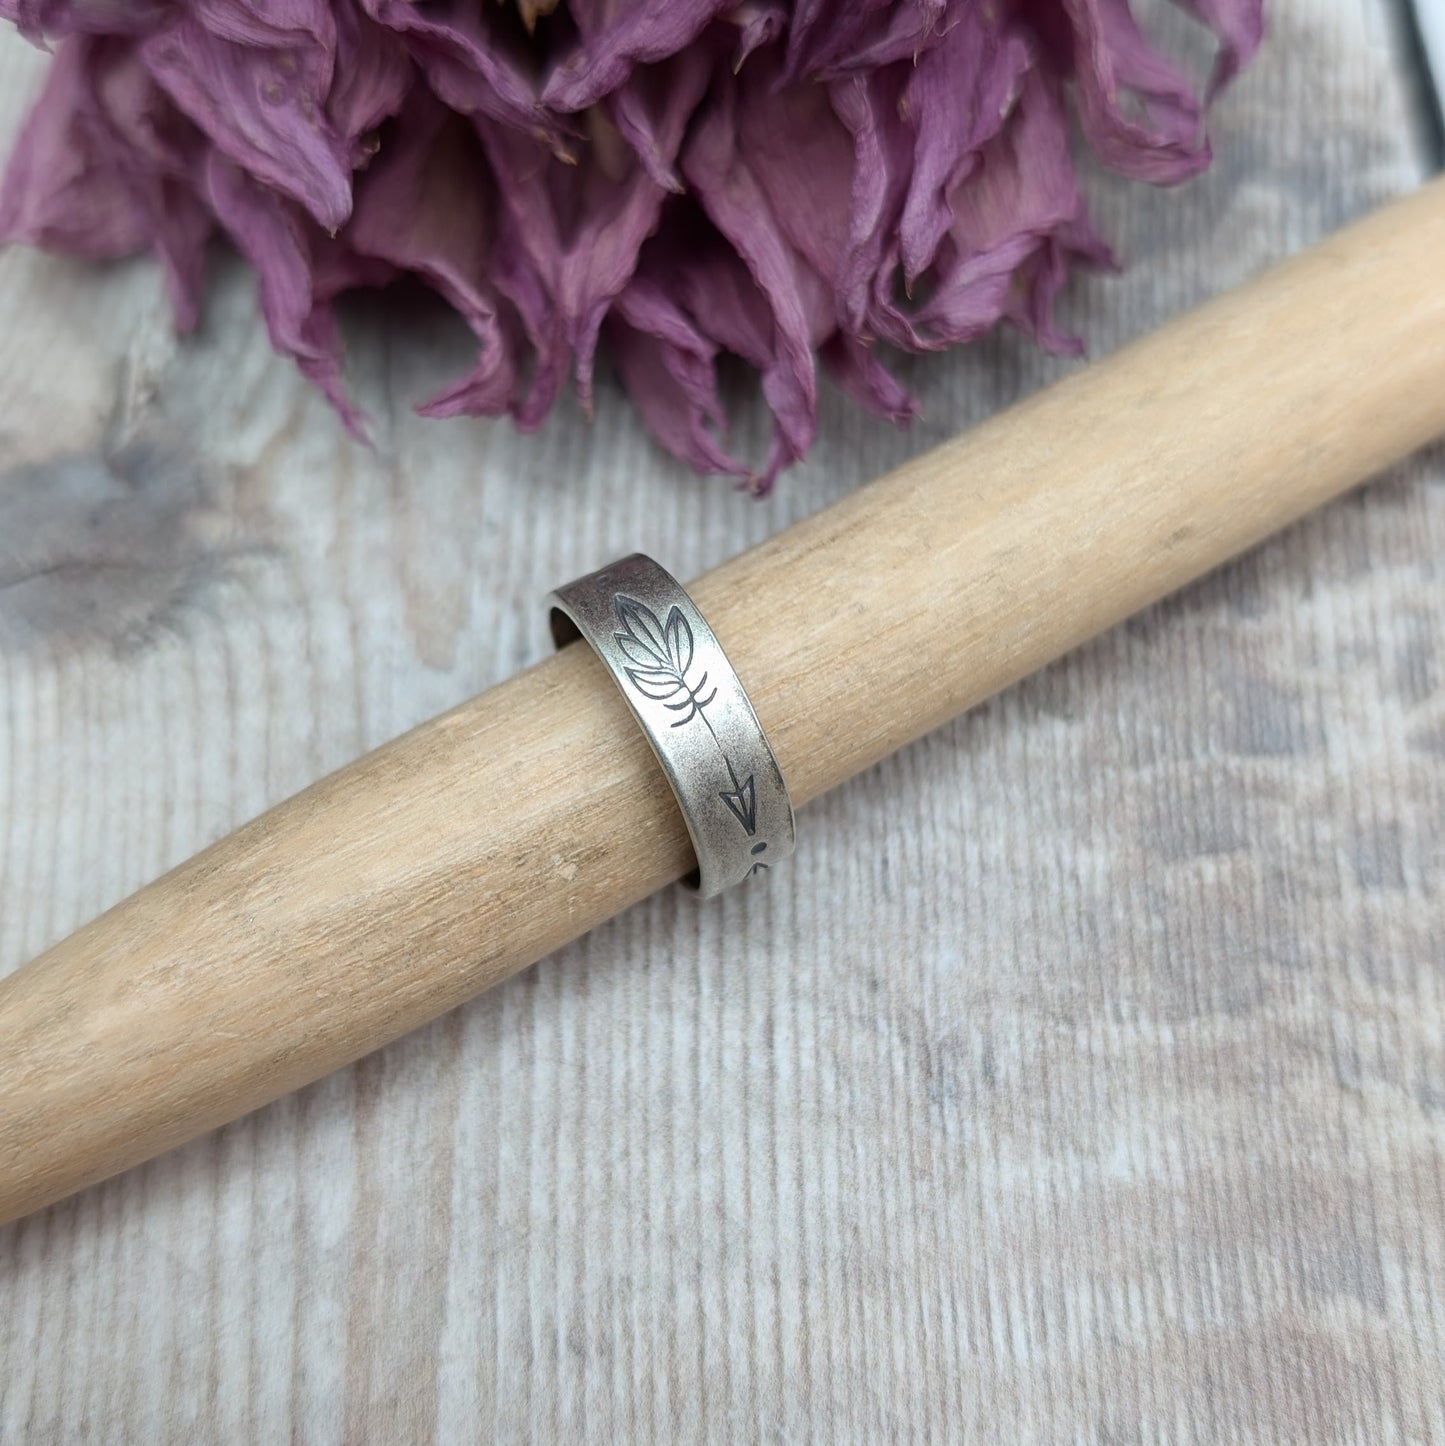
681,688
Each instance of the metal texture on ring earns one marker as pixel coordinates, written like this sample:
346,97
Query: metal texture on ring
671,669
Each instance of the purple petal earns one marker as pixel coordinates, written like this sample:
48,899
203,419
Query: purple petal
786,182
525,259
834,162
822,29
60,190
642,31
425,207
759,24
871,108
156,156
269,233
857,370
736,203
465,61
667,366
39,19
733,311
801,157
422,210
581,228
618,216
263,108
371,80
1138,113
1041,278
902,32
1239,24
305,26
1022,194
630,114
336,268
956,100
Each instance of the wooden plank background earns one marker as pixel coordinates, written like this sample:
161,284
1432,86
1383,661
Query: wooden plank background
1107,1102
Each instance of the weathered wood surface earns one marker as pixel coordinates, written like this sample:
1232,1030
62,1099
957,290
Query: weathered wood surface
1105,1099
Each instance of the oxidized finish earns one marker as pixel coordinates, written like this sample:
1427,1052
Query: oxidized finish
680,686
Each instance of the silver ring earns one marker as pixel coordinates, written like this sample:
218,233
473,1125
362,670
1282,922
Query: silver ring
681,688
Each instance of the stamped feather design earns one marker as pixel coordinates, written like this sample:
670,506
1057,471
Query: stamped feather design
660,654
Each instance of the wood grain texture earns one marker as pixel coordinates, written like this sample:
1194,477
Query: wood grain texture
442,863
1085,1074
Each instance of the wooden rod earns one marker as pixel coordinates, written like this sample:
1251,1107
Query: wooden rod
456,855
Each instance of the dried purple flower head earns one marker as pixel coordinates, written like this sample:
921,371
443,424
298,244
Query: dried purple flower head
783,181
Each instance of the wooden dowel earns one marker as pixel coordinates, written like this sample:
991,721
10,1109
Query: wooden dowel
456,855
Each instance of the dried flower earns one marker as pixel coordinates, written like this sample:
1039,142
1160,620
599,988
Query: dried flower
680,177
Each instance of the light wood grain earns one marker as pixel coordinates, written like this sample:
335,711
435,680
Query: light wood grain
441,864
1084,1074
